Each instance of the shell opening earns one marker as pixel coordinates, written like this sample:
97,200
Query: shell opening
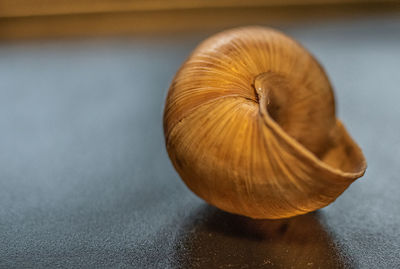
316,130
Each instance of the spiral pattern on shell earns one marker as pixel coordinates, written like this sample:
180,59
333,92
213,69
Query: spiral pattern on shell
250,127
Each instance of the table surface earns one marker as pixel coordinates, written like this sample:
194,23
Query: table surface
85,181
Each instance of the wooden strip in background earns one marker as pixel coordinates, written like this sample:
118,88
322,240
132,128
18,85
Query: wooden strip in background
19,8
167,21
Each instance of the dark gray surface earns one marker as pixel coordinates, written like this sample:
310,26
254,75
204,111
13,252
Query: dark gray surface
85,180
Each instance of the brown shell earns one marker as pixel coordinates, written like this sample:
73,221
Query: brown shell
250,127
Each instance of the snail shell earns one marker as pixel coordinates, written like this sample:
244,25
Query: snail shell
250,127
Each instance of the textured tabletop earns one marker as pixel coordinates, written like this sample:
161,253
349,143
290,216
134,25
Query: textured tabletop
85,181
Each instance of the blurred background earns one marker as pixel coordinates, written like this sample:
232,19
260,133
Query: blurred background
85,181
